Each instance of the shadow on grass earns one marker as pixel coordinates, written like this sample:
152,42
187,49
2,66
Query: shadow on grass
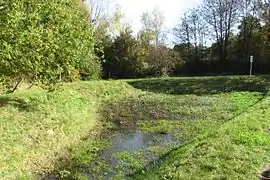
203,86
15,102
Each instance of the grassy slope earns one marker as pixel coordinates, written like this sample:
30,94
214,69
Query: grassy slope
36,128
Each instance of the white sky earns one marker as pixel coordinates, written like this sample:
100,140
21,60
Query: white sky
172,10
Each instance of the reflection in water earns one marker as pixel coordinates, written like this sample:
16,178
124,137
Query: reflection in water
138,140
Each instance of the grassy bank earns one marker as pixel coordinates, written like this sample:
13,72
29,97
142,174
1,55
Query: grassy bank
63,131
39,128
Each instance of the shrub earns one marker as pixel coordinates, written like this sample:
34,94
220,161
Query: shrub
45,41
123,57
161,61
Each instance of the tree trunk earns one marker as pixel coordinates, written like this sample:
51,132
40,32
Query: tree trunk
16,86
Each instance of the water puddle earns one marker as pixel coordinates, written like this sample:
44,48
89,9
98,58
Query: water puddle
138,140
128,153
132,144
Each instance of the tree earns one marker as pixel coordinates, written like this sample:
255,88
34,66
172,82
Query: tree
190,35
182,37
146,38
161,61
249,32
248,14
42,41
97,10
154,24
105,23
221,15
122,58
264,11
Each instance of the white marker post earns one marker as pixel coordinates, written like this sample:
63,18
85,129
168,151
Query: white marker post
251,64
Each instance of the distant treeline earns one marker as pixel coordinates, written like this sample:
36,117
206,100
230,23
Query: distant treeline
238,29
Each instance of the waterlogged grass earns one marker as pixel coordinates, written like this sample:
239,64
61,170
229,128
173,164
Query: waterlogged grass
220,124
239,149
185,116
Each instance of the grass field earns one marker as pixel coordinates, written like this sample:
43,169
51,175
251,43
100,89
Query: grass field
221,122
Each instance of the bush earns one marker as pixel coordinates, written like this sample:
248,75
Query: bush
161,61
123,58
45,41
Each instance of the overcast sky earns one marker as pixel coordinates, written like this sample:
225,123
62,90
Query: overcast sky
133,9
172,10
